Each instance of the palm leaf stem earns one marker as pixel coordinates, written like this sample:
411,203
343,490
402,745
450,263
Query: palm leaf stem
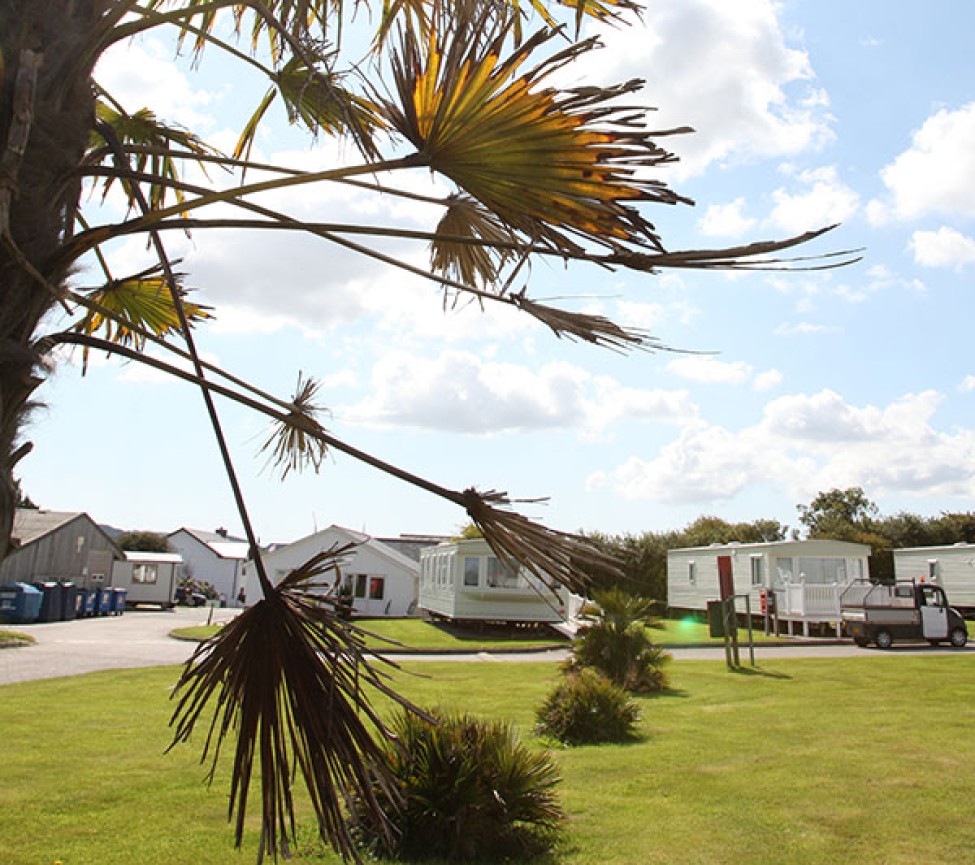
109,135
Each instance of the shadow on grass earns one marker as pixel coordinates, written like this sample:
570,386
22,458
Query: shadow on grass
477,633
758,671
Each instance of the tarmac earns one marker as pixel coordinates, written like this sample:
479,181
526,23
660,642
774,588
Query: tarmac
141,638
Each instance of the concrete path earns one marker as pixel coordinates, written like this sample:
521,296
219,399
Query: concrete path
135,639
141,639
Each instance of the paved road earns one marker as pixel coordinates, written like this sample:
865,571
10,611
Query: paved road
141,639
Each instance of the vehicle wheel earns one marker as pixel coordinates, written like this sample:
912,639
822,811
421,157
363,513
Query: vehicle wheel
861,642
958,637
883,639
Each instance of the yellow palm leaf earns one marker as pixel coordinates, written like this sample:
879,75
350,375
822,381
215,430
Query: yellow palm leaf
122,308
554,164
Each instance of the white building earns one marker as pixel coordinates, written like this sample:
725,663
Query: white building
807,577
465,581
380,580
215,557
952,567
148,578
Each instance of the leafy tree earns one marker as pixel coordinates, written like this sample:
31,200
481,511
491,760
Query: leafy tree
147,542
839,514
21,499
461,89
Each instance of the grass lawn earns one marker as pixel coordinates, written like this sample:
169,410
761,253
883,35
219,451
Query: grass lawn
866,760
426,636
12,639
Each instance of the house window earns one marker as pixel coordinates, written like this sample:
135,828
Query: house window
499,576
377,587
472,571
692,573
758,571
144,573
360,586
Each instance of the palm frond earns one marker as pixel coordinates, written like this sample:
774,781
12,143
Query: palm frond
124,309
552,164
594,329
481,261
555,558
296,441
290,680
143,129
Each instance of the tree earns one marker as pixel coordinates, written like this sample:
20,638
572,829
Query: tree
462,89
147,542
839,514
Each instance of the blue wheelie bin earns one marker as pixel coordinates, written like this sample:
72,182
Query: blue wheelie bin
20,603
86,603
103,601
118,600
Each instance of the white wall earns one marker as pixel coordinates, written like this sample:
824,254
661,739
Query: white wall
225,575
953,568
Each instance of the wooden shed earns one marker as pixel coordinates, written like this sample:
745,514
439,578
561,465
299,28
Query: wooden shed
465,581
59,545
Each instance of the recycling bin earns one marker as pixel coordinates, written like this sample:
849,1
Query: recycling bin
118,600
86,603
51,595
103,601
69,600
20,603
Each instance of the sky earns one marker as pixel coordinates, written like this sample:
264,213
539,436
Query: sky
806,114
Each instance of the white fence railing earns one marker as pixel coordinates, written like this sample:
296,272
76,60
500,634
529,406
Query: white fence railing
809,601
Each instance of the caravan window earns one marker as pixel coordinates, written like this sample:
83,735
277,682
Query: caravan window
144,573
472,571
933,570
692,573
758,571
823,571
499,576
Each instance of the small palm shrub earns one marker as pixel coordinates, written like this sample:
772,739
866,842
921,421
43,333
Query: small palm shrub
618,644
467,790
586,708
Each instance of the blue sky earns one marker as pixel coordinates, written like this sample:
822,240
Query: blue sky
807,113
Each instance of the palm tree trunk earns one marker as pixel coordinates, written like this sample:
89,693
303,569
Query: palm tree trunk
48,52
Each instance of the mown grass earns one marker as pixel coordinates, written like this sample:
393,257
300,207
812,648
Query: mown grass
12,639
420,635
868,760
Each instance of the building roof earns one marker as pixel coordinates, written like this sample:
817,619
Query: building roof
224,545
765,545
410,545
32,524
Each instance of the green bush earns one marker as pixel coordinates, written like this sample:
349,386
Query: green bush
468,790
618,643
586,708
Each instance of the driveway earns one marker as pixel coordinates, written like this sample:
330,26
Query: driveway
141,639
136,639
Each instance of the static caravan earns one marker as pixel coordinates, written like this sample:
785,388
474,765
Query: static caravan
951,567
805,576
465,581
380,580
148,578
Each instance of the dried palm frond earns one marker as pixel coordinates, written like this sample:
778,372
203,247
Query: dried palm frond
595,329
555,165
481,261
555,558
297,440
288,677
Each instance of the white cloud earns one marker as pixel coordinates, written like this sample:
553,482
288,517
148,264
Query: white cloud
767,380
823,200
709,370
726,70
726,220
968,384
945,247
803,328
804,444
462,392
936,174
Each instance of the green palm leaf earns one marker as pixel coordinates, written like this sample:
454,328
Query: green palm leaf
550,163
119,309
